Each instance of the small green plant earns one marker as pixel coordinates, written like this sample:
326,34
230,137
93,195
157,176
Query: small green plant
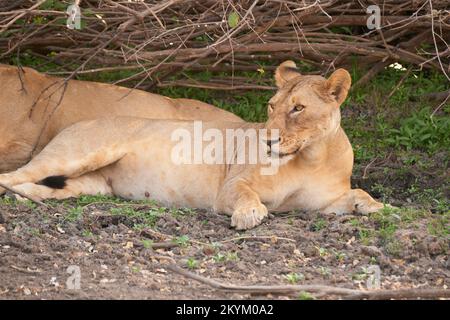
324,271
182,241
146,218
361,275
232,256
384,191
147,243
421,131
365,235
192,263
294,278
433,198
229,256
179,213
74,214
29,204
305,296
340,256
387,221
322,252
440,226
319,224
35,232
135,269
84,200
393,247
7,201
53,5
219,257
233,19
87,233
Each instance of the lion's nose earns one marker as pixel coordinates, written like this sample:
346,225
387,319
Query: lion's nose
272,142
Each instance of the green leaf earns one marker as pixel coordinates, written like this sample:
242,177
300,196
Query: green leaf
54,5
233,19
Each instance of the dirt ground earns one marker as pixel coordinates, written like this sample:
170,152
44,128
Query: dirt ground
112,243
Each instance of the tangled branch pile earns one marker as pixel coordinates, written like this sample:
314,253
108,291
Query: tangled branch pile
156,40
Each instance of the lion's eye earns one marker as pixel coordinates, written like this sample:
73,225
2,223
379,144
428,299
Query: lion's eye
298,108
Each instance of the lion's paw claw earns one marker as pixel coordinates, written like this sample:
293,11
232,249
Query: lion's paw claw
248,217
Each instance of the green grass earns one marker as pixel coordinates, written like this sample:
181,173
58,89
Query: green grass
294,278
192,263
225,257
74,214
440,226
147,217
35,232
305,296
397,123
182,241
144,213
322,252
319,224
7,201
147,243
421,131
54,5
380,227
340,256
87,233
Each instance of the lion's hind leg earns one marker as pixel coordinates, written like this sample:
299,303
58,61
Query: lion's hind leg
92,183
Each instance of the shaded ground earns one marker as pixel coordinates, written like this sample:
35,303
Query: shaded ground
111,242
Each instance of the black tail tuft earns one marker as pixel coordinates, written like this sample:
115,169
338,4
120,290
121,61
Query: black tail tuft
55,182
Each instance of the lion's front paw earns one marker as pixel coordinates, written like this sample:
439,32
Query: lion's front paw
248,217
366,208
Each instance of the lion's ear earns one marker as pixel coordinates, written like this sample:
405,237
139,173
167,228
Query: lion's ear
338,84
285,72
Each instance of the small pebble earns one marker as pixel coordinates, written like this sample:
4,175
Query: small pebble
371,251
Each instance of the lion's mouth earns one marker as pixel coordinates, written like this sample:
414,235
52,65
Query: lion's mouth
280,155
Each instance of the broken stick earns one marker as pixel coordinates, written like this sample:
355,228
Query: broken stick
318,289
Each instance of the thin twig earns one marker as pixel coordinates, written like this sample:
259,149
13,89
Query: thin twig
322,290
272,238
404,77
440,105
25,12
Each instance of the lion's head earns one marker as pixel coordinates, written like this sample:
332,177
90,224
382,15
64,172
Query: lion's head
305,109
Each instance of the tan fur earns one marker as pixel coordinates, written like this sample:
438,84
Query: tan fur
28,100
131,158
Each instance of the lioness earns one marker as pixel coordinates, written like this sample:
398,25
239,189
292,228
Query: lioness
133,158
35,107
